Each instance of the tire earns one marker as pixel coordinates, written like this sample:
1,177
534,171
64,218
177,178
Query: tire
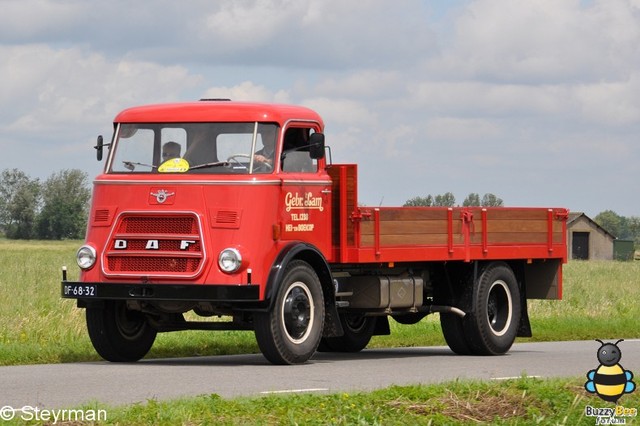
491,325
459,296
119,334
291,331
358,330
454,334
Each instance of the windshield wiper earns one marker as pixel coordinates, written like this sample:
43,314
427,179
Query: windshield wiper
216,164
131,165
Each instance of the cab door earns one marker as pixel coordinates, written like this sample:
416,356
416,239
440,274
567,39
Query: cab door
306,191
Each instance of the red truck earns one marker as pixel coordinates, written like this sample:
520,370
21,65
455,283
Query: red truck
234,210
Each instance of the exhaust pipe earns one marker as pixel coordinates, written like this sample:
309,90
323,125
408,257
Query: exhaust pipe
447,310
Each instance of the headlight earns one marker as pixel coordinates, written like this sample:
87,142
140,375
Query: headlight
86,257
229,260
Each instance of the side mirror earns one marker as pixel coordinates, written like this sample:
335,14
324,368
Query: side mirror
316,146
98,148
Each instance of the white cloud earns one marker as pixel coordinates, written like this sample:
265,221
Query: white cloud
250,24
612,103
452,128
249,92
28,20
343,112
545,41
50,87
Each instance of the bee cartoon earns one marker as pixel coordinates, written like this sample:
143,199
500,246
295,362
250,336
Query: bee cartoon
609,381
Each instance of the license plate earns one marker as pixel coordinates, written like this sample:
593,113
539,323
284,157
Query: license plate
79,290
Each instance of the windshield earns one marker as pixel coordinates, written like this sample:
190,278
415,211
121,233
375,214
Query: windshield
220,148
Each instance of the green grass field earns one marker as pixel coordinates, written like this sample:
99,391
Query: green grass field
601,300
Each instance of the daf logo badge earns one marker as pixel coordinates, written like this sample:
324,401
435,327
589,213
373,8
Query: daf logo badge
162,195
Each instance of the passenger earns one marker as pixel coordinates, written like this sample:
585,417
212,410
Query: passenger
295,154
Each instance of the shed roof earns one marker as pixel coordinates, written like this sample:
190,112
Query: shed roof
574,216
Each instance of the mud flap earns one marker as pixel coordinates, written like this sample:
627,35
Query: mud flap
524,326
332,324
382,327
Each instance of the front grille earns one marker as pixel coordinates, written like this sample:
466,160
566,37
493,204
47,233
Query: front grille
148,245
149,264
158,225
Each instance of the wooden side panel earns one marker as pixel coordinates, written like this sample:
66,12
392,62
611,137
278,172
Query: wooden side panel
522,226
429,226
411,226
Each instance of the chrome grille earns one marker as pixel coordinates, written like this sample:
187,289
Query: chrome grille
148,245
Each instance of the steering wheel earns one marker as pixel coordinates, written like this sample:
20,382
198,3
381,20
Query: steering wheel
234,158
256,166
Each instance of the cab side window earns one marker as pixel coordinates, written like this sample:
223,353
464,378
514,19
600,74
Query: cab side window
295,151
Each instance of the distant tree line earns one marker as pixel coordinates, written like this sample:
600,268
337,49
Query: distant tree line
448,200
624,228
51,210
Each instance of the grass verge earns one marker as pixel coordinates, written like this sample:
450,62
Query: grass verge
519,401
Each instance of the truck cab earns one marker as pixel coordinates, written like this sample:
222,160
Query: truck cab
237,187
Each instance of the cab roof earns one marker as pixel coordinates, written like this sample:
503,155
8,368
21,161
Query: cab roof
217,111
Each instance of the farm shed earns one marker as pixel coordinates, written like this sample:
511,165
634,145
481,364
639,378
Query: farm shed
587,240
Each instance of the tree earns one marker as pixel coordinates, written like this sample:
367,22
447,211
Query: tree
490,200
65,205
633,224
19,202
472,200
612,222
445,200
419,201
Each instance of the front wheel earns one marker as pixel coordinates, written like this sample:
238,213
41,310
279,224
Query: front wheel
291,331
117,333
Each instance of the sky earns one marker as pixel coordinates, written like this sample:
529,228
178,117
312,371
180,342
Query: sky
535,101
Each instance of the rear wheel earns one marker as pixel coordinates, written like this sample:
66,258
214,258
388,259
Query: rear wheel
358,330
492,304
291,331
492,325
117,333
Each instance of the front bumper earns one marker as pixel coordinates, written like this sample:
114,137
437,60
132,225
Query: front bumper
151,292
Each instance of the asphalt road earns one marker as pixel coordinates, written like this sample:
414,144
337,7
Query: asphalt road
69,385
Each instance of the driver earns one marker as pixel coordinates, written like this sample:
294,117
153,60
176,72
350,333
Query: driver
266,155
170,150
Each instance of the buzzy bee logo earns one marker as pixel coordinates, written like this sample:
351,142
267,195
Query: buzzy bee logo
610,381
